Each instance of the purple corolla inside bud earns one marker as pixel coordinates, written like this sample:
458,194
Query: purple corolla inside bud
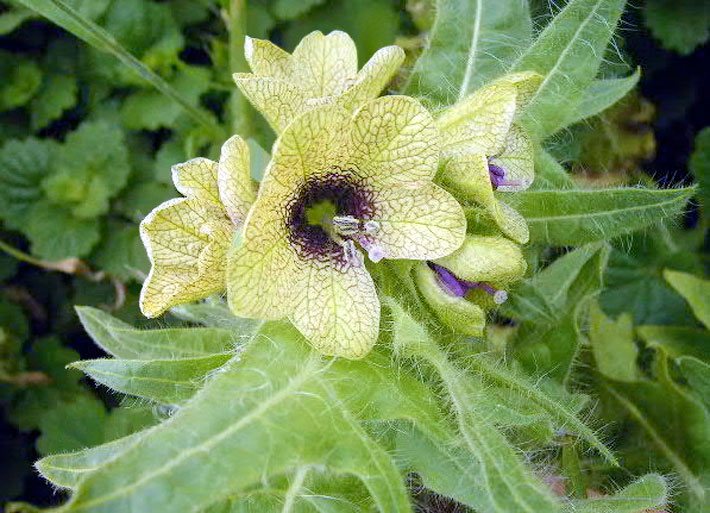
497,174
498,178
449,282
459,288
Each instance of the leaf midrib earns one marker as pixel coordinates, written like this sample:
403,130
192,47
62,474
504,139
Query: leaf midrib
301,378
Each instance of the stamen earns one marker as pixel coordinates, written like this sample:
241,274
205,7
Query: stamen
499,296
351,253
346,225
459,288
371,227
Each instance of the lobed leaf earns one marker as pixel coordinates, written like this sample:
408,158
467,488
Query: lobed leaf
601,95
84,28
124,341
270,408
164,381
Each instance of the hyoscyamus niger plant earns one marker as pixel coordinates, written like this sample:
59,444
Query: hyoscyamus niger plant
385,326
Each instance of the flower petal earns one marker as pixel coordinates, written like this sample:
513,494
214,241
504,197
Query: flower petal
197,178
395,142
186,241
487,259
267,59
315,143
469,176
337,309
456,312
479,123
526,83
280,102
517,159
373,77
237,191
259,269
325,64
418,224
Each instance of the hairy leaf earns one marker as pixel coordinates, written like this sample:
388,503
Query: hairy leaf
124,341
164,381
568,54
569,217
471,43
554,302
271,408
601,95
650,491
509,485
673,421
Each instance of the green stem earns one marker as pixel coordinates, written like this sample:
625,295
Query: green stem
237,27
20,255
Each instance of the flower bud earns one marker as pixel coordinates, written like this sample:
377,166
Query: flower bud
452,310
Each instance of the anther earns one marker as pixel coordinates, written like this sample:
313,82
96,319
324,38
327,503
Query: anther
346,225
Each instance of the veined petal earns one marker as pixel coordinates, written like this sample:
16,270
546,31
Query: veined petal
419,224
325,64
260,268
456,312
512,224
488,259
517,159
315,143
336,308
186,240
267,59
373,77
395,142
526,83
469,176
277,100
237,191
479,123
197,178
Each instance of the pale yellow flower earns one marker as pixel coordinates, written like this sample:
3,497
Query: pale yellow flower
187,238
322,70
486,151
338,184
